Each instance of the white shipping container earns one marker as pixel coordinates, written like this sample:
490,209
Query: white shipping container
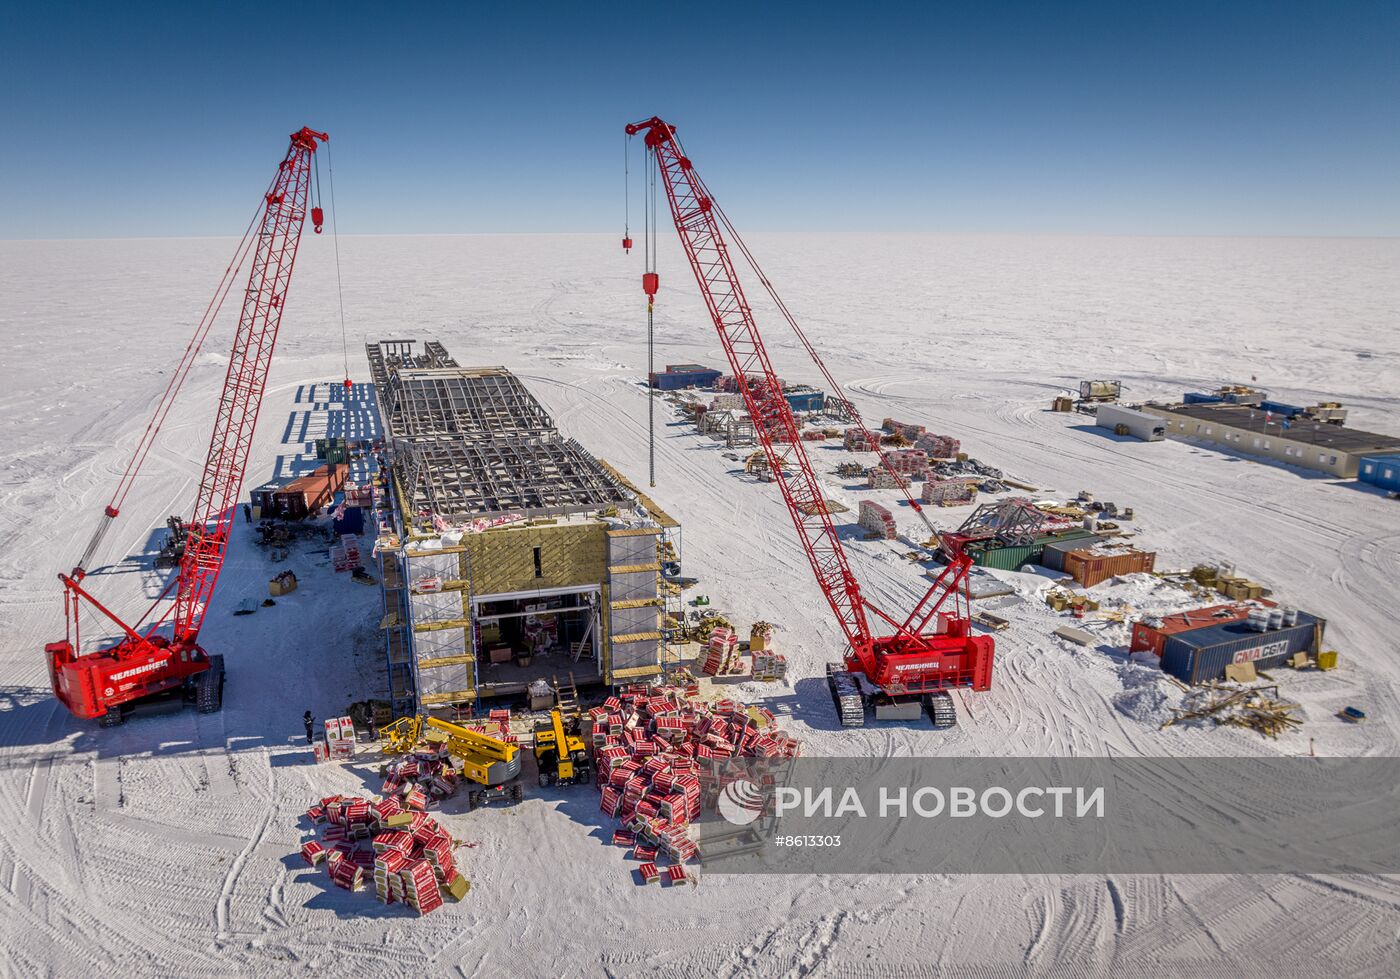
1149,428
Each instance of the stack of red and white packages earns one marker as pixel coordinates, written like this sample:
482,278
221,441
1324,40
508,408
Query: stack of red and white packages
659,754
409,854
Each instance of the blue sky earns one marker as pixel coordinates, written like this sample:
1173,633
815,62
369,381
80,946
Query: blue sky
1122,118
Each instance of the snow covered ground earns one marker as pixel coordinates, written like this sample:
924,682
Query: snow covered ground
169,846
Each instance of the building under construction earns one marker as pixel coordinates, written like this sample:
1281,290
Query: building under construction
513,555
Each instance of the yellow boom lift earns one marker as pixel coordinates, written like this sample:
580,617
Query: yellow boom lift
560,753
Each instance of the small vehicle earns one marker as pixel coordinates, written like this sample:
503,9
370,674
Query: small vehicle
560,753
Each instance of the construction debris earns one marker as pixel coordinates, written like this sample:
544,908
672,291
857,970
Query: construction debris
1255,708
409,854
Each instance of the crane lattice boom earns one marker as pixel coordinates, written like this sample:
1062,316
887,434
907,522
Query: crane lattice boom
929,649
141,664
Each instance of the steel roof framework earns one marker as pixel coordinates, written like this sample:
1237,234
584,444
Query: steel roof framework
473,442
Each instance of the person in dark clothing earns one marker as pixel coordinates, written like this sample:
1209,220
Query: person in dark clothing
247,513
310,723
373,729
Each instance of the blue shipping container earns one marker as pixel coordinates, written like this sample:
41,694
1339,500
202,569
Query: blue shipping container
1381,470
806,400
1202,654
1279,408
676,380
1200,398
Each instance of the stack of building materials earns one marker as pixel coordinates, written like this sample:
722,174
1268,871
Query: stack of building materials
938,446
726,402
722,653
855,441
661,753
878,477
909,431
340,738
769,666
1238,588
908,462
949,492
1090,566
345,556
877,520
408,854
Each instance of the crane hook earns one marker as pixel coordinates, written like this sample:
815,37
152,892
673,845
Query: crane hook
318,218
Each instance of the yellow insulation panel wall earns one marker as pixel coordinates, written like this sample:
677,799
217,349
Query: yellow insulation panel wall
503,561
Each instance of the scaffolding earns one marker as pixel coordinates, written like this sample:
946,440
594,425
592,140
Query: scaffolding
480,475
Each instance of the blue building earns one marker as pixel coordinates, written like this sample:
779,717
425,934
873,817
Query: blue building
678,376
1381,470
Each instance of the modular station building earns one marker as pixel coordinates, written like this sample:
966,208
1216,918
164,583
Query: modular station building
1298,441
510,554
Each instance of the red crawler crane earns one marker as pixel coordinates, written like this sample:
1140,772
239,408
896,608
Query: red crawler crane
104,683
929,650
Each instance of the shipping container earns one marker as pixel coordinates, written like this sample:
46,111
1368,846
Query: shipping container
1380,470
261,499
1150,633
679,376
1139,424
1279,408
1091,567
1054,556
1201,655
304,496
805,399
1200,398
1014,557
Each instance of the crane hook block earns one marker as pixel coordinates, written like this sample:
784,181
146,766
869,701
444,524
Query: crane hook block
627,245
650,283
318,217
349,384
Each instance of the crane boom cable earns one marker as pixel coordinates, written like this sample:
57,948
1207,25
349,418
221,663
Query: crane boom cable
335,244
171,393
192,350
835,388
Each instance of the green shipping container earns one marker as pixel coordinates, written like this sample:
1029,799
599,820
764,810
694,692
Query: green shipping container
1014,557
